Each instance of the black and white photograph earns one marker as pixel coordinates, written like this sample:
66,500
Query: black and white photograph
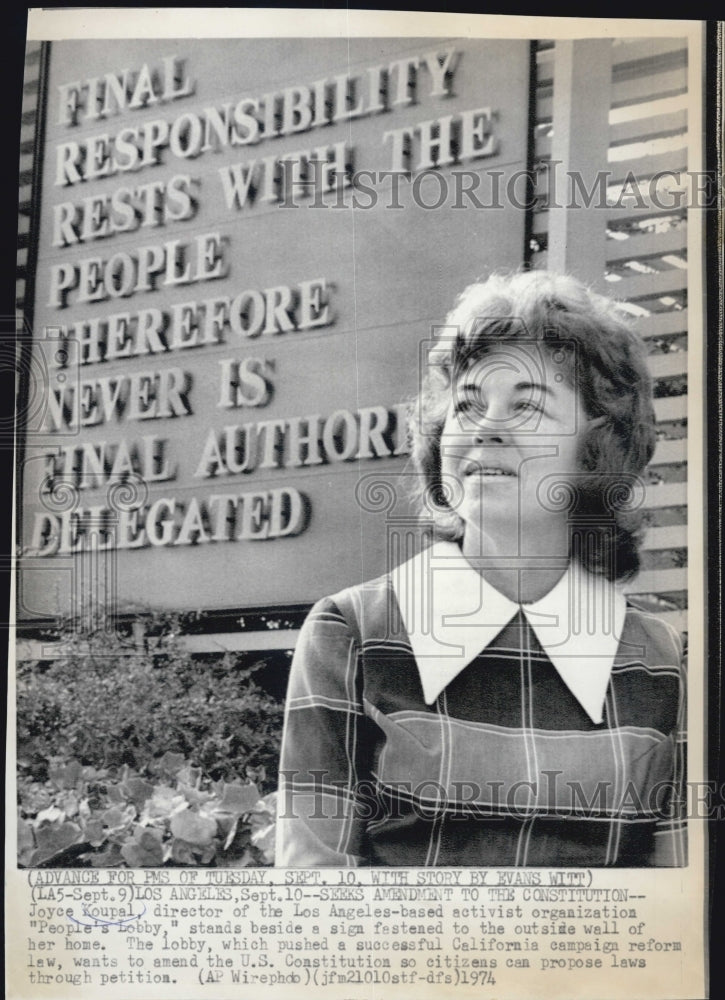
360,504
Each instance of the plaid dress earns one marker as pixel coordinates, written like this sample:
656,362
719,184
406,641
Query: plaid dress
504,767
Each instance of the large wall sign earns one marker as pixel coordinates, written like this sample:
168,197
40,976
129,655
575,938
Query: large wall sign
242,245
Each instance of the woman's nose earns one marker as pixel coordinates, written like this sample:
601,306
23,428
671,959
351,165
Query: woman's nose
492,424
489,436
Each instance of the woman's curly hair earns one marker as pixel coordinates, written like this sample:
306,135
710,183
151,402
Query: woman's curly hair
603,358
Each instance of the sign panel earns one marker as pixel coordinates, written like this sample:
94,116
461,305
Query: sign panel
242,246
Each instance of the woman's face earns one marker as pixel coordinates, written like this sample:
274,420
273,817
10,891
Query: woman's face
512,434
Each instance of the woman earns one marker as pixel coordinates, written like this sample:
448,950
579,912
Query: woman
495,700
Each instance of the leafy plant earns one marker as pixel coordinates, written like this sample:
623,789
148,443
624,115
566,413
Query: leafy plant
106,703
142,754
172,816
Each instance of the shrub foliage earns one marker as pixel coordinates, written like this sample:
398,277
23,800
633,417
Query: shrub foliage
144,756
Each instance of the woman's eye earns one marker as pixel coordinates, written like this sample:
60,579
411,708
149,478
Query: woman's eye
464,406
528,406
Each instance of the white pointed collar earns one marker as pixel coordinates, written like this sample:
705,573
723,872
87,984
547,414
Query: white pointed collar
451,614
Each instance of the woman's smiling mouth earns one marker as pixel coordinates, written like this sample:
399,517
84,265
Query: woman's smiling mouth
476,469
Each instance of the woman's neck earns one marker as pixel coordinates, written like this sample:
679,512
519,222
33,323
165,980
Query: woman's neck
523,568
